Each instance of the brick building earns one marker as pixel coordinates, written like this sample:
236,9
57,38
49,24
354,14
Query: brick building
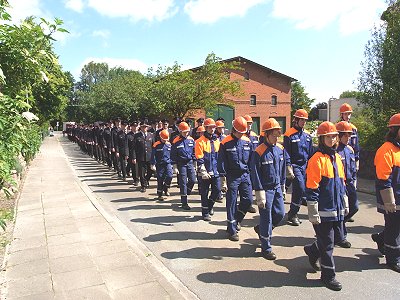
267,93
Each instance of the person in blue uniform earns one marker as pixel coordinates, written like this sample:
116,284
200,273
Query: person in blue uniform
206,151
269,174
234,163
387,162
182,157
298,145
161,163
122,150
347,155
327,202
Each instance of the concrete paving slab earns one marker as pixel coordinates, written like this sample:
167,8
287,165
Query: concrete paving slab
24,243
100,237
59,251
77,279
41,296
107,248
129,276
63,239
151,290
116,260
98,292
29,286
28,269
70,263
27,255
62,229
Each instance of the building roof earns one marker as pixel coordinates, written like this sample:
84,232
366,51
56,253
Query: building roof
248,61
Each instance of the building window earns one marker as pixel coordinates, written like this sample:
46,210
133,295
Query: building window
274,100
246,76
253,100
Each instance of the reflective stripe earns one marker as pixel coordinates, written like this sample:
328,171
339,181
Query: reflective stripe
183,195
204,207
234,221
267,162
392,247
328,213
295,204
180,146
243,213
265,238
231,149
381,206
296,141
327,267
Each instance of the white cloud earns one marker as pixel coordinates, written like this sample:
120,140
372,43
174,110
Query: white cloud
20,9
101,33
130,64
135,9
352,15
76,5
210,11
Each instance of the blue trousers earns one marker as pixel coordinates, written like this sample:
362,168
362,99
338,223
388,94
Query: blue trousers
164,177
322,248
187,179
271,215
390,237
298,188
208,201
242,185
341,233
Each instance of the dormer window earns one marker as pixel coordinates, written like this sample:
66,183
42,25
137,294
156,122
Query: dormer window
246,76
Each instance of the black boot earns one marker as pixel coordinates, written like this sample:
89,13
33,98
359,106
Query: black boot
332,284
293,219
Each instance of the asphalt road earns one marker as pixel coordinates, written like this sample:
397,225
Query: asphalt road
213,267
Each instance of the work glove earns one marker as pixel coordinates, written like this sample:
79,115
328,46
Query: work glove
346,204
313,214
203,173
289,172
388,200
261,199
283,188
153,168
224,187
176,170
357,165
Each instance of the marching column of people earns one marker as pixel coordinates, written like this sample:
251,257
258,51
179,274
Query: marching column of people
324,177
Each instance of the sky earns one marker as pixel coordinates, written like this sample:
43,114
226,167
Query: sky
321,43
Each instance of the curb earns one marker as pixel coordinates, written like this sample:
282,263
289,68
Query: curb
150,260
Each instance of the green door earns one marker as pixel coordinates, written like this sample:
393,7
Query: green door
282,122
256,125
222,111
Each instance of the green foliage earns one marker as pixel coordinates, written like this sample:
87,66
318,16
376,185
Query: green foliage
314,112
351,94
300,98
379,79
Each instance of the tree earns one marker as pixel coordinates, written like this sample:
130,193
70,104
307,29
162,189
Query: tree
179,93
351,94
300,98
379,78
91,74
314,112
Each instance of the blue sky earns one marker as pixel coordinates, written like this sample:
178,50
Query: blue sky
319,42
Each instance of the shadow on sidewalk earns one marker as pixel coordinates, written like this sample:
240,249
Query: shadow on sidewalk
167,220
186,236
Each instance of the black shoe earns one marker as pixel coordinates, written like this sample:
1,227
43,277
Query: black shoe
119,175
332,284
351,220
394,267
344,244
304,203
293,220
185,206
160,198
207,218
123,178
234,237
252,209
142,189
381,246
238,226
166,193
219,199
135,183
268,255
211,212
257,229
313,262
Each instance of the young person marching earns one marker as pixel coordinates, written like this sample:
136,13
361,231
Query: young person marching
206,150
268,169
234,163
326,201
346,152
182,157
161,163
387,162
220,132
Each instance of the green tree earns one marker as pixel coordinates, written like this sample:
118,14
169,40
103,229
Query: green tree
314,112
300,98
351,94
379,78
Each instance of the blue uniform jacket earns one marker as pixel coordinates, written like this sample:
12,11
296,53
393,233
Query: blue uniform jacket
298,145
253,139
387,163
182,150
346,152
161,153
268,167
234,156
325,185
206,150
354,142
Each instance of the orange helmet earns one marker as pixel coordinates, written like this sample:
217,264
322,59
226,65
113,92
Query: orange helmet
209,122
394,120
220,123
248,118
326,128
200,129
183,126
240,124
270,124
344,126
164,134
301,114
345,108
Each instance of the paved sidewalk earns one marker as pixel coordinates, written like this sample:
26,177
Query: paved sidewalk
66,247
